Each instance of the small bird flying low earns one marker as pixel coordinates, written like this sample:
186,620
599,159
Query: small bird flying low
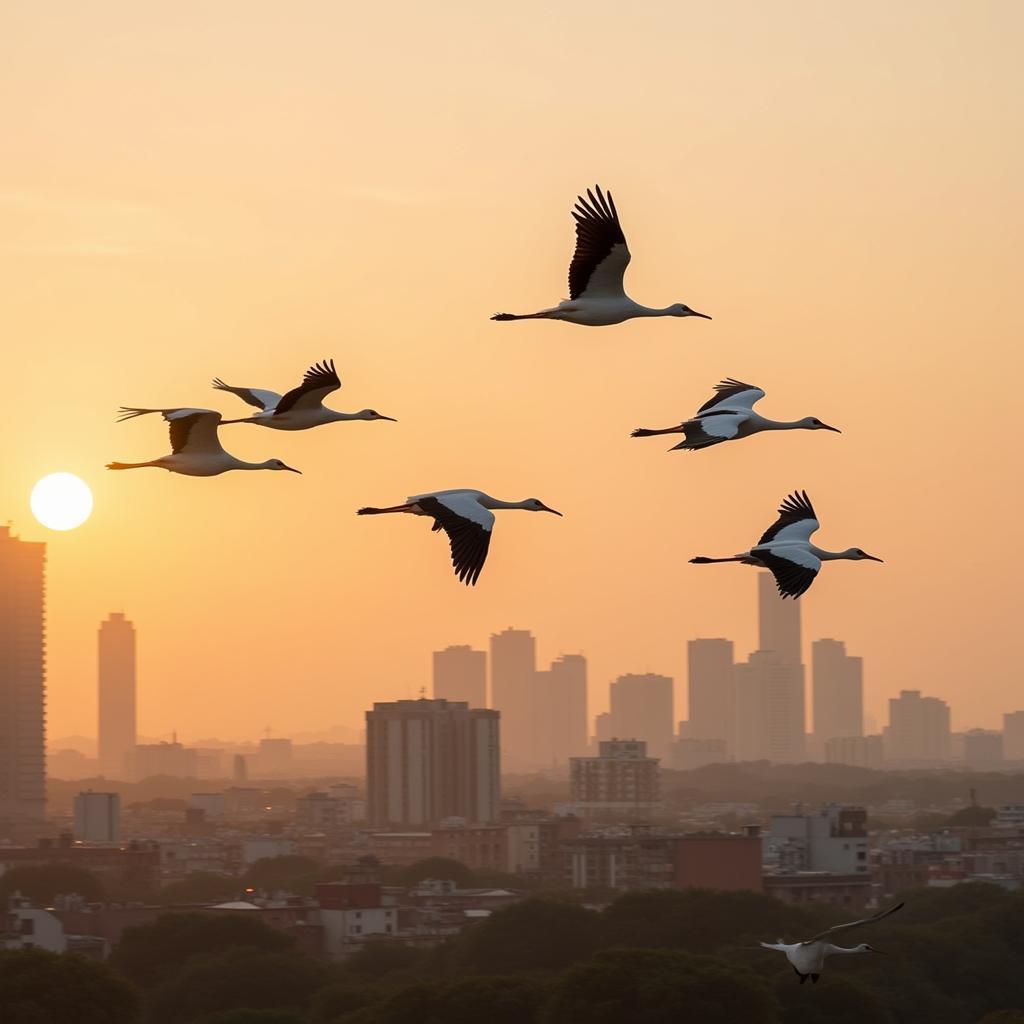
300,408
597,297
785,548
808,957
727,416
195,447
467,517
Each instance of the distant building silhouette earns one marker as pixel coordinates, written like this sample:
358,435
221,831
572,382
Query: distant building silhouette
116,649
427,760
460,673
918,731
172,759
622,778
98,817
602,729
22,684
856,751
513,686
837,680
275,756
983,749
1013,736
239,769
689,753
769,709
642,706
560,711
778,621
711,691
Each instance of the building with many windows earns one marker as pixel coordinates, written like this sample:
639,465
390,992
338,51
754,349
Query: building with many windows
622,779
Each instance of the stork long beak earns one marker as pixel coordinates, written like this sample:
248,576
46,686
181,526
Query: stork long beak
882,951
703,316
390,418
546,509
873,559
825,426
291,470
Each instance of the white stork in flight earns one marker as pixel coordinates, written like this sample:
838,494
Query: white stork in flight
300,408
597,297
195,447
808,957
728,415
785,548
467,517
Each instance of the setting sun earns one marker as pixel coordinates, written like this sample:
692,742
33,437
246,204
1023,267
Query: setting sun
61,501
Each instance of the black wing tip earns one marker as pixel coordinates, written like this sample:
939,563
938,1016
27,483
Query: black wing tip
797,501
219,384
318,370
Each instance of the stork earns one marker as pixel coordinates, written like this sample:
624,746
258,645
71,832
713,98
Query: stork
195,447
785,548
729,415
300,408
467,517
808,957
597,297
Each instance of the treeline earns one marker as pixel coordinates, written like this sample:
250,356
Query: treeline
647,958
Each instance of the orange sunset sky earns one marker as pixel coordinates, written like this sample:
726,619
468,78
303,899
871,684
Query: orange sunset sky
242,188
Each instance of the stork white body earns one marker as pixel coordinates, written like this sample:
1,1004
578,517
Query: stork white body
195,446
728,416
467,517
597,295
785,548
808,957
300,408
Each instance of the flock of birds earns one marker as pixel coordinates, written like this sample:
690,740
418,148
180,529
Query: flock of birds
597,298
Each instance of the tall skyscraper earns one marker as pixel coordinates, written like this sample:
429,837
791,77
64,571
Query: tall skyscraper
460,673
22,684
513,684
116,695
838,683
918,730
427,760
778,621
711,696
560,704
769,709
642,709
1013,736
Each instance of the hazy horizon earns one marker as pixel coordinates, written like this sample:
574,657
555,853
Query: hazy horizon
239,191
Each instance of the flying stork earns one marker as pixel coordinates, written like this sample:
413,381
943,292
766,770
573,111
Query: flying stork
597,297
808,957
785,548
467,517
300,408
729,415
195,447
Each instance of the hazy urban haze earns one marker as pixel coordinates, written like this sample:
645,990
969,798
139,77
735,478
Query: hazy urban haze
838,187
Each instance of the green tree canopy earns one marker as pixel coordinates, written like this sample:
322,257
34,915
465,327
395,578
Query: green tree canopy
249,979
42,882
290,871
537,934
973,815
437,867
375,959
650,986
494,1000
37,987
200,887
152,952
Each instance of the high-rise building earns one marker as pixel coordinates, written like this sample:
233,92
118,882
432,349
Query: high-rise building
857,751
98,817
602,728
621,778
116,695
778,621
711,696
560,722
275,756
1013,736
513,686
427,760
918,730
22,684
688,753
838,684
151,759
983,749
769,720
642,707
460,673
